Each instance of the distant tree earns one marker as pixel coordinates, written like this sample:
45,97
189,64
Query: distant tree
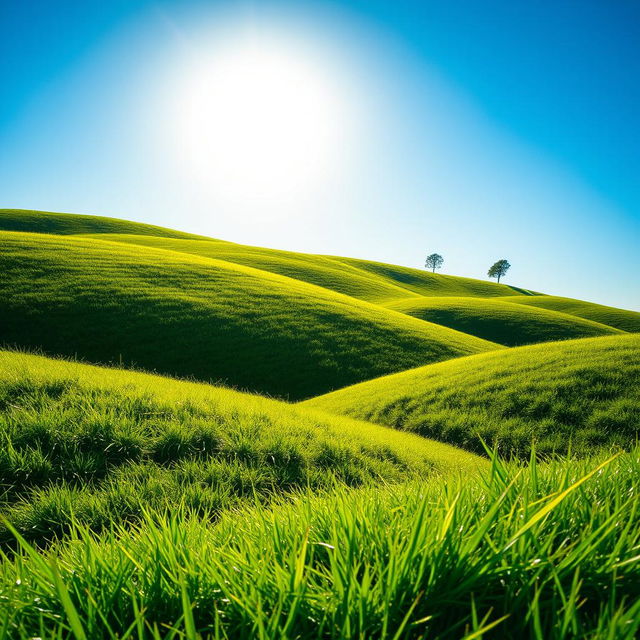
499,269
434,261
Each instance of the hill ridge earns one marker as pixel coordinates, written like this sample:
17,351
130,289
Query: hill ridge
189,315
583,393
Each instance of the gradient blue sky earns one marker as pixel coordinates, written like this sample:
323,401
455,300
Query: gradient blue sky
485,130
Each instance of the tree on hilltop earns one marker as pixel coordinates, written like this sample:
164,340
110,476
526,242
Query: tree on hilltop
434,261
499,269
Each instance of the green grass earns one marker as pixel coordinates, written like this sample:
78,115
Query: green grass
69,224
618,318
323,271
500,321
583,394
366,280
106,443
134,505
546,553
425,283
188,315
362,279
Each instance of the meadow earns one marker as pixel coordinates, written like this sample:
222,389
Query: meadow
575,395
93,445
202,439
192,316
546,552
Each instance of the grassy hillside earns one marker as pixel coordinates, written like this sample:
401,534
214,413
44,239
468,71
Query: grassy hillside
319,270
361,279
550,553
104,444
136,506
618,318
579,393
192,316
500,321
68,224
425,283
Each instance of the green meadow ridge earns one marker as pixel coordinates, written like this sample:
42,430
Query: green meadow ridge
285,324
578,394
107,444
192,316
142,499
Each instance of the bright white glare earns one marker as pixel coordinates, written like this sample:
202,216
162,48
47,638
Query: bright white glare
258,122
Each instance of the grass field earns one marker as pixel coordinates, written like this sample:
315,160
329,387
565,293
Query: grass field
618,318
550,552
106,443
431,284
432,481
500,321
319,270
188,315
72,224
579,394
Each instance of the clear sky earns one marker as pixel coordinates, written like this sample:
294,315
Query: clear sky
383,130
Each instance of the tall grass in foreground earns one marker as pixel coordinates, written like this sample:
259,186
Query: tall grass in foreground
546,551
94,446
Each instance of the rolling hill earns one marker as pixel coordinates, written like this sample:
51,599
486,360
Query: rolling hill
578,394
618,318
106,444
366,280
188,315
435,284
319,270
71,224
500,321
134,505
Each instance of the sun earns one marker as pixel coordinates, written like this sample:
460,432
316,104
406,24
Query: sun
258,121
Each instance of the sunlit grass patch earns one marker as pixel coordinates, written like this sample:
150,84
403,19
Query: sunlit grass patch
550,551
101,445
578,395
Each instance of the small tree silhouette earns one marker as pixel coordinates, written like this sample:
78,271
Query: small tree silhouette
499,269
434,261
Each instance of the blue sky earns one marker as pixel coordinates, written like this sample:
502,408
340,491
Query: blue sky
481,131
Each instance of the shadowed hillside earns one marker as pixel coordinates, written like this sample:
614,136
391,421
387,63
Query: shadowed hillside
500,321
618,318
582,394
192,316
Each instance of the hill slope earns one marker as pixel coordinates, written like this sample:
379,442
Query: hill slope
582,391
71,223
105,443
366,280
500,321
425,283
618,318
191,316
319,270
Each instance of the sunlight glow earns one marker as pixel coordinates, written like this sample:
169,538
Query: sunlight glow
260,123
